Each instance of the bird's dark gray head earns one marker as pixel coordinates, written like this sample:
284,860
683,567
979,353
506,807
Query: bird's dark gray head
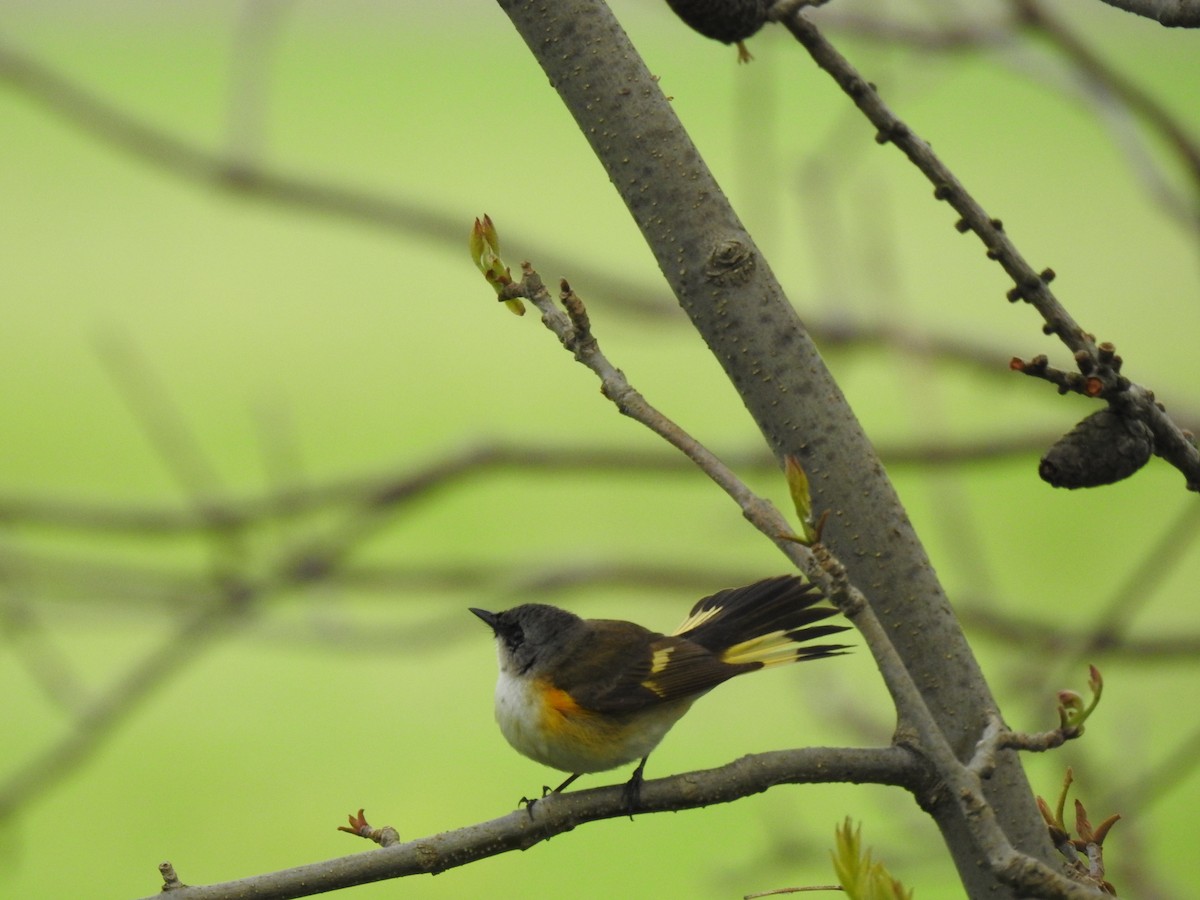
531,633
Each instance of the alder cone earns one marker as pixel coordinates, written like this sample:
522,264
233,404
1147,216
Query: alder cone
1104,448
728,21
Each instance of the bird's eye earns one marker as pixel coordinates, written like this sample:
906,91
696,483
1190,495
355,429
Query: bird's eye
514,638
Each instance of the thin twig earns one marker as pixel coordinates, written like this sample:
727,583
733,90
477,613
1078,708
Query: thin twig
917,727
1031,286
573,329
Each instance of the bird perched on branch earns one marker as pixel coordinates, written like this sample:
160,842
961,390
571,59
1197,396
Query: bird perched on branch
587,695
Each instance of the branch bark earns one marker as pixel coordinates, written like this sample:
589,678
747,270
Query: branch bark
559,813
734,301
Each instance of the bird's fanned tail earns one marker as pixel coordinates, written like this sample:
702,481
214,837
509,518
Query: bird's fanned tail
770,622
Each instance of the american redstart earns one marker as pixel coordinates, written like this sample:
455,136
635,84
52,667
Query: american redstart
587,695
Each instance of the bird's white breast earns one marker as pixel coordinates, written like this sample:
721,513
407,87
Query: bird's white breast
519,713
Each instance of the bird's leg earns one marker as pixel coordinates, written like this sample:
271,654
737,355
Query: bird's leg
561,787
633,787
546,792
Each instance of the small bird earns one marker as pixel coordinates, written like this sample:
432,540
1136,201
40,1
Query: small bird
588,695
727,21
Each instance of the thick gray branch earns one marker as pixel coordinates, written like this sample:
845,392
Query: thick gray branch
734,301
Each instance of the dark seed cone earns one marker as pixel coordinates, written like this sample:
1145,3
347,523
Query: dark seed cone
728,21
1102,449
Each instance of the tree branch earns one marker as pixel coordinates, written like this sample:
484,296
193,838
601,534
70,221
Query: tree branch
917,727
1102,369
560,813
729,292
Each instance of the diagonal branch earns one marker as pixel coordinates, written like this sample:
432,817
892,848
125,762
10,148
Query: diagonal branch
917,727
1170,441
727,289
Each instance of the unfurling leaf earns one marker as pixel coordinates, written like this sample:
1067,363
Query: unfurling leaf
485,253
797,481
861,877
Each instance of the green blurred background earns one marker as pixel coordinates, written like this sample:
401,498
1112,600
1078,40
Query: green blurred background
169,347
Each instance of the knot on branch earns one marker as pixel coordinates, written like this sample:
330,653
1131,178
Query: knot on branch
731,262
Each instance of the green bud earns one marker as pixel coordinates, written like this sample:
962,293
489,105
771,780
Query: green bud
797,481
485,253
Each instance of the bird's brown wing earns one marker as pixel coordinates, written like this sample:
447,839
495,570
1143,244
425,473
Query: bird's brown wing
626,668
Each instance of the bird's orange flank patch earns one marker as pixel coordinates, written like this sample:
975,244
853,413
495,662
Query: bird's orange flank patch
560,701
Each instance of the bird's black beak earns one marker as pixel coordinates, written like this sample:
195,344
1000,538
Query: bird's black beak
488,617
